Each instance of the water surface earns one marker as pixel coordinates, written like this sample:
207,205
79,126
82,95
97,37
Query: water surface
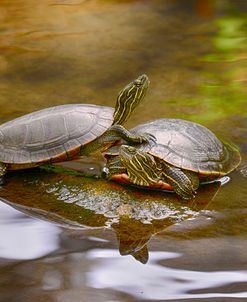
65,237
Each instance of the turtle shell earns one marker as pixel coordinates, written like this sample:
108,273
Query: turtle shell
52,134
189,146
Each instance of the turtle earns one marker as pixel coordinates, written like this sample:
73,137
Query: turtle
185,155
63,132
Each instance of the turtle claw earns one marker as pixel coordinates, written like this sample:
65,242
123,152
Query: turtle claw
192,196
147,138
2,180
189,195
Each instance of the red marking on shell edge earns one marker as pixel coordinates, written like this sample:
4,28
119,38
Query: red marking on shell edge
123,178
70,155
73,153
59,158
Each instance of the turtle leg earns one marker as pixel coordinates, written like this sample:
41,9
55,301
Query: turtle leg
183,182
114,133
193,178
3,169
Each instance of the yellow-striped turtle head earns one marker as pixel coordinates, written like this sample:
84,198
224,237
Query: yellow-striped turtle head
141,167
129,98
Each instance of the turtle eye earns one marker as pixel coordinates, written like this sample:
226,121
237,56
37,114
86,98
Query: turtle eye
138,83
127,150
131,149
105,173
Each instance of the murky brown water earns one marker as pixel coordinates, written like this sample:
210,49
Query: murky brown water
64,237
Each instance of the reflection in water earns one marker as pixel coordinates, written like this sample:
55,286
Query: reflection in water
135,216
110,272
132,234
23,237
133,237
56,52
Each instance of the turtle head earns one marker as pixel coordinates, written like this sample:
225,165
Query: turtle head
132,158
126,162
129,98
131,165
113,167
127,153
141,166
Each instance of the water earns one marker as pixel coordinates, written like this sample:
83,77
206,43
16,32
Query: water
69,238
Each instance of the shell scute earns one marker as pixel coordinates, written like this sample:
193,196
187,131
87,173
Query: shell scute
190,146
52,132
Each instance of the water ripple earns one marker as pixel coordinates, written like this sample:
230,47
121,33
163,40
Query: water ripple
157,282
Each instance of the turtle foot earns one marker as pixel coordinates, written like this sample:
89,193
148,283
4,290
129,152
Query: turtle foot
147,138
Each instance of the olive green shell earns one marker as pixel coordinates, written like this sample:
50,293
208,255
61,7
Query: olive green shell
189,146
52,134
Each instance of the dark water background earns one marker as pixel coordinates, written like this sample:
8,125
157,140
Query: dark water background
67,238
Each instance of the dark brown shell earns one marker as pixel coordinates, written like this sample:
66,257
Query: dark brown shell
190,146
52,134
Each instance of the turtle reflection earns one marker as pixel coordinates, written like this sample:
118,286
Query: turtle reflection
133,237
82,204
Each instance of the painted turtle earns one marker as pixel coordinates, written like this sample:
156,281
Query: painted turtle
184,155
62,132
